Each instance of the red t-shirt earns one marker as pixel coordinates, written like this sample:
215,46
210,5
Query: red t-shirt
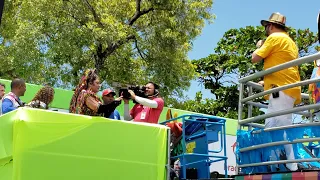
142,113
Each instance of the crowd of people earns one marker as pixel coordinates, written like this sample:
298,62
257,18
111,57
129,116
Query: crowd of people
12,101
277,49
85,100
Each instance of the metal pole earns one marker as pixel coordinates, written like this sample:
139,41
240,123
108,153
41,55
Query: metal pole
241,86
259,87
256,125
250,107
225,151
287,127
259,105
278,143
240,107
279,162
279,113
168,149
310,115
183,140
300,83
289,64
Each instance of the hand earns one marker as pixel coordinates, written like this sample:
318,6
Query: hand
259,43
119,98
133,95
261,83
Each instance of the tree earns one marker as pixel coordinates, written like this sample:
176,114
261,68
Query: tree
232,59
126,41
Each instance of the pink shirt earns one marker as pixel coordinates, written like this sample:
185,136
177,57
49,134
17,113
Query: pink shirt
142,113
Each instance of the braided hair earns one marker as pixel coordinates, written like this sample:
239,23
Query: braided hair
89,77
45,95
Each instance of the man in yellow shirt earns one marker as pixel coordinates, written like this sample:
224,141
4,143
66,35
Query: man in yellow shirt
279,48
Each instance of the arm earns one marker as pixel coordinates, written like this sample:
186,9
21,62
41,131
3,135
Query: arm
146,102
126,114
256,58
92,103
7,106
263,51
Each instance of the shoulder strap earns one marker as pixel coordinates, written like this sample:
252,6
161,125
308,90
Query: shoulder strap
13,98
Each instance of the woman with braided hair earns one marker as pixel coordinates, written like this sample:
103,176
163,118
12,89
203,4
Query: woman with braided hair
43,98
85,100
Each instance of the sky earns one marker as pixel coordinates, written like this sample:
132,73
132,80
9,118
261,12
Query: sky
242,13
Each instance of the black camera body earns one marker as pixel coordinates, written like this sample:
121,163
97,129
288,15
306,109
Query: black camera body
138,90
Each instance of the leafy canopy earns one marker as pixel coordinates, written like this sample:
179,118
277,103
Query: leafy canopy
127,41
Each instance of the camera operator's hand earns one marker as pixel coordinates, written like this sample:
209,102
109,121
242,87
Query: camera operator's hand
133,95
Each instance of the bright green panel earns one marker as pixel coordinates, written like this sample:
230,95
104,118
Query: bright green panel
6,132
6,171
62,101
52,145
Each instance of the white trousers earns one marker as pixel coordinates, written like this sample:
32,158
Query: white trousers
277,104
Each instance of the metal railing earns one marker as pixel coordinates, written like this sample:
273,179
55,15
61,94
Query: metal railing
208,124
301,110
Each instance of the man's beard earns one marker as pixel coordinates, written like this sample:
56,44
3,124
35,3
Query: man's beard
267,33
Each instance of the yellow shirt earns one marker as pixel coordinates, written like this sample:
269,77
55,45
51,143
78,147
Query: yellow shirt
279,48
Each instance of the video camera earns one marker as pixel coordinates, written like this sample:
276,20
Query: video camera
138,90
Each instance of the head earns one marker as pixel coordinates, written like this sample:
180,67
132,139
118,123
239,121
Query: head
276,23
2,90
108,96
152,89
89,81
45,94
18,87
93,82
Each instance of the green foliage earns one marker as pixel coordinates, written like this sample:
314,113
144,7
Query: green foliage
127,41
219,72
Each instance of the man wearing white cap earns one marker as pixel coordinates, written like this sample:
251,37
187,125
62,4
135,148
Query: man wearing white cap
279,48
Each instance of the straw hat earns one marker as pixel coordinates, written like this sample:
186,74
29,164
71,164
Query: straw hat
275,18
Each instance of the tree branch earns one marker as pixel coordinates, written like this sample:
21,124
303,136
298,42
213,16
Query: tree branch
138,13
142,54
80,21
111,48
94,13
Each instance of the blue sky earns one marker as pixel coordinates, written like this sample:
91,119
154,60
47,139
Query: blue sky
242,13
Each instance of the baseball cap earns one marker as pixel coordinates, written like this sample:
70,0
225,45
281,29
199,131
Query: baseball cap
108,91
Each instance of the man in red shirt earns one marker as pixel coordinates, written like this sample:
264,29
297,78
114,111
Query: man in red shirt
147,109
